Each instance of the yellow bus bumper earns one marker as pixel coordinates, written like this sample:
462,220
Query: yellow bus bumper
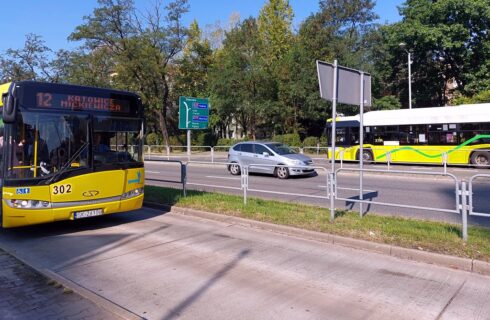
13,217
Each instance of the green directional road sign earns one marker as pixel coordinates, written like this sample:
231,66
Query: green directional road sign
193,113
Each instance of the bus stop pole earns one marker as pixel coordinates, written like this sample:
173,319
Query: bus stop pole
334,134
361,144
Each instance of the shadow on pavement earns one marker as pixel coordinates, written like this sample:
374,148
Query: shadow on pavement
187,302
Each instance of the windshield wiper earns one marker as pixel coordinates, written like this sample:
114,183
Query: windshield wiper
67,164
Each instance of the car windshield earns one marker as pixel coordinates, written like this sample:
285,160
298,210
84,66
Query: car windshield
280,149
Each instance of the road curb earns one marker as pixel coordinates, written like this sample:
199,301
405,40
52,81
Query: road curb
453,262
100,301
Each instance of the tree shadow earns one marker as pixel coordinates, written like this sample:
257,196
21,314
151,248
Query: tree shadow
187,302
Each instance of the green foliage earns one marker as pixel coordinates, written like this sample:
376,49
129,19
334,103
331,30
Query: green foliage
153,138
228,142
291,139
205,138
310,142
177,140
259,74
449,41
482,97
386,103
140,51
32,62
274,26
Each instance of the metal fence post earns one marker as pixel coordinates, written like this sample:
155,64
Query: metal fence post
342,158
301,150
244,183
444,161
183,175
332,196
149,152
388,159
317,148
212,154
168,152
464,209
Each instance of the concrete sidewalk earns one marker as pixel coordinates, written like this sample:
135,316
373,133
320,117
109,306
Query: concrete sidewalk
27,294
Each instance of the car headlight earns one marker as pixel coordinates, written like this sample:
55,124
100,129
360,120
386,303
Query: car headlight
298,162
28,204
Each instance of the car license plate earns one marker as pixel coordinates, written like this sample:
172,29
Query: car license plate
88,213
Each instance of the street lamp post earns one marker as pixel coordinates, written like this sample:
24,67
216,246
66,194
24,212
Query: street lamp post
403,46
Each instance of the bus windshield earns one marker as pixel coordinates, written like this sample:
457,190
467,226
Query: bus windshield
41,144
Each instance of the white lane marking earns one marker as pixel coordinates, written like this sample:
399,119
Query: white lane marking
226,178
148,171
465,170
351,189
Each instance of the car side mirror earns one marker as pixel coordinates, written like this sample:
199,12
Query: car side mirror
265,154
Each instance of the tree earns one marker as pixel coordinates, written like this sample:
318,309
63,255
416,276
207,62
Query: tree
274,26
143,48
239,83
450,42
33,62
340,30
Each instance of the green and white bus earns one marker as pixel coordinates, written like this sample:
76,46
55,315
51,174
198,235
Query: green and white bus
458,135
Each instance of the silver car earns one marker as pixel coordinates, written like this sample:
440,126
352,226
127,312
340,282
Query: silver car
268,157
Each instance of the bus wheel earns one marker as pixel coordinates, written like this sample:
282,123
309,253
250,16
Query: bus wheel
480,158
367,155
234,169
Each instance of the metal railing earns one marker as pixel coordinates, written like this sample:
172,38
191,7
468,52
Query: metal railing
456,190
470,194
463,191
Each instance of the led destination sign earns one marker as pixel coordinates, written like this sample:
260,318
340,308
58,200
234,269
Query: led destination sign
78,102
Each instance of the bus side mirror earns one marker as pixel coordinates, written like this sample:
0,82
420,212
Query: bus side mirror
10,106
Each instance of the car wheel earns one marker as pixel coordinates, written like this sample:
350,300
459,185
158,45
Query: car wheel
234,169
480,158
282,172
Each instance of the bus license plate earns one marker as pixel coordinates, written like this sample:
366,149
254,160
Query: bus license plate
87,214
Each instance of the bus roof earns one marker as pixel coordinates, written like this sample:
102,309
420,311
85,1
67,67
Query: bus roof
469,113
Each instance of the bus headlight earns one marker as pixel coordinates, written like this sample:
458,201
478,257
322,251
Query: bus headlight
132,193
28,204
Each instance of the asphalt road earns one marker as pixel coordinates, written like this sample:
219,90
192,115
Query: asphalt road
435,191
162,265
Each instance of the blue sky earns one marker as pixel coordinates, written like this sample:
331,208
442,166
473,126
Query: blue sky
54,20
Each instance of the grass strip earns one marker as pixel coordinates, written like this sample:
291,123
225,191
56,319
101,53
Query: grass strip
430,236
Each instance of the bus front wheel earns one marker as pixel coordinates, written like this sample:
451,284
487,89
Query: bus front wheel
480,158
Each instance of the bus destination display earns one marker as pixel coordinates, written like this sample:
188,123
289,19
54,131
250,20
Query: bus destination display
78,102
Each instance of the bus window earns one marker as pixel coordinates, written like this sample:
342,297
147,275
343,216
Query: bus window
122,136
341,137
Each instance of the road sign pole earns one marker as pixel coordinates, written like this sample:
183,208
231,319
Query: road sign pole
334,133
188,144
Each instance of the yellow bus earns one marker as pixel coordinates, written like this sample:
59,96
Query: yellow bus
458,135
68,152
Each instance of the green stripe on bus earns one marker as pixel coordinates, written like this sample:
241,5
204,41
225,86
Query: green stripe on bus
437,155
